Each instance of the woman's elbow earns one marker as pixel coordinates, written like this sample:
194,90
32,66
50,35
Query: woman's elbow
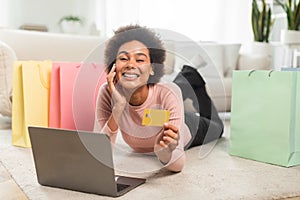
175,169
176,166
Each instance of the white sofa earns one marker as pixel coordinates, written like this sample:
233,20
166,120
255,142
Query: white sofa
7,58
214,61
33,45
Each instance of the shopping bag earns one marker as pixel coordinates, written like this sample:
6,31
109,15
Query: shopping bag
72,90
265,116
30,98
62,81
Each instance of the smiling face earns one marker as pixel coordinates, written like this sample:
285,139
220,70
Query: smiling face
133,65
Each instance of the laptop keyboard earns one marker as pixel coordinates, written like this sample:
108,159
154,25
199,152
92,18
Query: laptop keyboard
121,187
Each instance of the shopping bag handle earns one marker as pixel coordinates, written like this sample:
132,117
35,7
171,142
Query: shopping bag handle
44,81
269,75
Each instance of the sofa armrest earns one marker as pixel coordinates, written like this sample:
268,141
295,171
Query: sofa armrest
220,92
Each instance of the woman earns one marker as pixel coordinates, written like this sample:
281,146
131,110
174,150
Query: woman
134,58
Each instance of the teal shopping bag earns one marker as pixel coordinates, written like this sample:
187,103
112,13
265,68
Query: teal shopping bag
265,116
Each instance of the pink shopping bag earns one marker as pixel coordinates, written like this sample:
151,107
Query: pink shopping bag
74,87
85,93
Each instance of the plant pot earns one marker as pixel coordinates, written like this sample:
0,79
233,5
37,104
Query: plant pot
290,37
256,56
291,41
72,27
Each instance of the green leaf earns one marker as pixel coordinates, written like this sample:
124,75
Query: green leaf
261,21
292,10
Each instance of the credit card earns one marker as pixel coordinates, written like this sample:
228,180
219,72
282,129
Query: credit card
155,117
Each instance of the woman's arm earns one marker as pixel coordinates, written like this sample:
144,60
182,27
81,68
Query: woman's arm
104,117
170,154
167,143
110,105
177,165
169,146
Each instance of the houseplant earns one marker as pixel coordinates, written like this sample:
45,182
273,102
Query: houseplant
261,21
70,24
292,10
259,53
291,37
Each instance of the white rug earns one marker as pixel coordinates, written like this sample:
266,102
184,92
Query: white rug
216,176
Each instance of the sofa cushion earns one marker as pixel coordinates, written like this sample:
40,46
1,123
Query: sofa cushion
220,92
254,62
170,57
215,54
230,58
255,56
214,61
223,56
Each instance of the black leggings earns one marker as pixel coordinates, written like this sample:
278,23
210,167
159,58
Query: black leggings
205,125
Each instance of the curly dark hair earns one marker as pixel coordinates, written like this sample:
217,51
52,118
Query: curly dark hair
144,35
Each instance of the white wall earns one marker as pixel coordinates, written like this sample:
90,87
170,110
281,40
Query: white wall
44,12
215,20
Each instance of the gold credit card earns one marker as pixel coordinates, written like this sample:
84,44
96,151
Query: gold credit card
155,117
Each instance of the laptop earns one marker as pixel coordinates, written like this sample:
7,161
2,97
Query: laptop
77,160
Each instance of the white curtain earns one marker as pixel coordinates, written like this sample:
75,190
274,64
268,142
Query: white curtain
214,20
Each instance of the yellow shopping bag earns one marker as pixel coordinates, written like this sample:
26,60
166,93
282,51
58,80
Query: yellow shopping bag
30,98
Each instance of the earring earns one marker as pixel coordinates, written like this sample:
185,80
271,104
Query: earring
152,71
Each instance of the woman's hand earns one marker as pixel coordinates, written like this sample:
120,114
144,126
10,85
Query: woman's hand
118,100
167,142
170,137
